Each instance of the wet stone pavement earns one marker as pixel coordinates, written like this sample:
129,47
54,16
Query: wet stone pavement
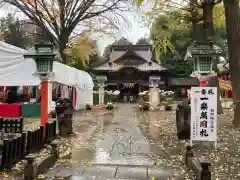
120,150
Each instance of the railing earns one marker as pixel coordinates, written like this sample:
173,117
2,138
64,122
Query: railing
14,145
51,131
13,149
11,125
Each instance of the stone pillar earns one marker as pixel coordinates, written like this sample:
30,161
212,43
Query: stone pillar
101,95
101,81
154,96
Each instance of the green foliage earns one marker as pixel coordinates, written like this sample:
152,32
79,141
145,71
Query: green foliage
12,33
161,33
143,41
220,22
82,52
168,20
94,59
171,35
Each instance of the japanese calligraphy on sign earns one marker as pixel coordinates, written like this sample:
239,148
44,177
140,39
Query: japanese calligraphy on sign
204,113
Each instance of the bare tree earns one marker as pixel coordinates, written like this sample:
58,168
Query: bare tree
60,18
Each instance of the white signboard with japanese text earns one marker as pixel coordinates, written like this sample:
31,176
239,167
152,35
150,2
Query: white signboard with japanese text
204,114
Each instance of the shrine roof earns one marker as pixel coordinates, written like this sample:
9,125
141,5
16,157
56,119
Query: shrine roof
209,48
144,56
144,52
142,67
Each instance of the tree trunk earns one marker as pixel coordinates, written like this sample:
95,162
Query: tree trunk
208,27
194,20
63,40
208,20
232,14
62,47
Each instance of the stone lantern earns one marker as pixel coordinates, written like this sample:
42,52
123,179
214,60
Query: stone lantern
101,83
43,55
154,97
205,56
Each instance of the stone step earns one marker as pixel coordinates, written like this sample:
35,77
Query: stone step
106,171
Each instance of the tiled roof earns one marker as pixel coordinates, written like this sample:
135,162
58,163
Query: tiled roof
147,55
120,51
144,53
143,67
116,54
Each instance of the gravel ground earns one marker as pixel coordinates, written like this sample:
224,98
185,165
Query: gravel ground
160,128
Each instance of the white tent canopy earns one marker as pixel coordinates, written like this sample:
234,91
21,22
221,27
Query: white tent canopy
14,69
71,76
17,71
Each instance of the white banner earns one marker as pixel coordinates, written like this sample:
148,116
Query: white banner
204,114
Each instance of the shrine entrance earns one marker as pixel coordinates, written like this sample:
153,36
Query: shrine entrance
129,92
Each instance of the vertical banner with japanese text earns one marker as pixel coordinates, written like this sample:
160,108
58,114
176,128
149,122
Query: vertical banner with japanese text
204,113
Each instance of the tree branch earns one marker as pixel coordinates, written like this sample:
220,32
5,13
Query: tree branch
59,18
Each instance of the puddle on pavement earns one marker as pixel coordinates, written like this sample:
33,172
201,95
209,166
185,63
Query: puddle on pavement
82,128
83,151
86,152
82,154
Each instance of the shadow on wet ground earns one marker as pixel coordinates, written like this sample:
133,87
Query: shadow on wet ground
119,150
127,144
134,145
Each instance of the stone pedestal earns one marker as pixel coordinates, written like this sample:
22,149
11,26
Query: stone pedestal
154,97
101,80
101,95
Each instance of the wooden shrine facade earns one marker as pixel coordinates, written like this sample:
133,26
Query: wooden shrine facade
129,68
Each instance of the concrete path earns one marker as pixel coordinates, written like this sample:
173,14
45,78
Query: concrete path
121,152
123,142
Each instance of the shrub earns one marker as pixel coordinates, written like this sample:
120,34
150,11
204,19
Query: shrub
109,106
88,106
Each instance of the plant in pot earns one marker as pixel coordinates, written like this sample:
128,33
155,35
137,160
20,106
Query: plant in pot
109,106
143,101
167,107
146,106
88,106
167,97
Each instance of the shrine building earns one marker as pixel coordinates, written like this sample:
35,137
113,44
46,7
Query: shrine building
132,69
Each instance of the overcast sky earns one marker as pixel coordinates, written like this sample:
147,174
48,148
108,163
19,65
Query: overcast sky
134,32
